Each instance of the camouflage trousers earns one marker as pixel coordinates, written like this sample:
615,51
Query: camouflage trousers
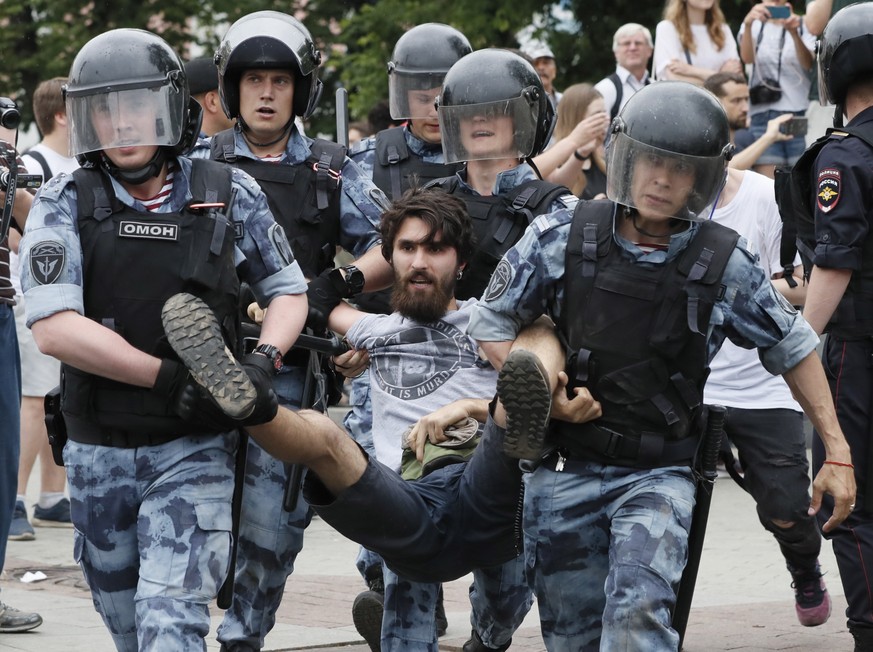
152,535
605,548
269,538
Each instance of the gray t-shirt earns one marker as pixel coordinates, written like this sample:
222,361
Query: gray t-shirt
416,368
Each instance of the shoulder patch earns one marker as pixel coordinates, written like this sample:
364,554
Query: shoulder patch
47,260
827,190
499,281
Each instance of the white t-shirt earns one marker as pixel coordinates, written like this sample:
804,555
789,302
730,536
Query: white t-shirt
669,47
417,368
793,79
738,379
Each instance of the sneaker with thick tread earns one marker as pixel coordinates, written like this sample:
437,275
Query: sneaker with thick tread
13,620
523,388
195,335
812,600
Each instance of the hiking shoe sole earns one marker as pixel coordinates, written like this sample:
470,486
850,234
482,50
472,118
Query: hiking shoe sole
367,612
194,334
523,388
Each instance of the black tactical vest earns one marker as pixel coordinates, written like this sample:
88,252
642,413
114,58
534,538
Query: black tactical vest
304,198
132,263
636,338
499,221
795,194
396,170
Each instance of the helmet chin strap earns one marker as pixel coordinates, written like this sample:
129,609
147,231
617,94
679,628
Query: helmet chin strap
246,130
139,175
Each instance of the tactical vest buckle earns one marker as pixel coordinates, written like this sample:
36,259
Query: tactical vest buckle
322,167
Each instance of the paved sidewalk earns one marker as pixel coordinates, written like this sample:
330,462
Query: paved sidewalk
743,599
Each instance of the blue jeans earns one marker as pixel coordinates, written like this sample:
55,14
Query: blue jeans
10,423
152,535
785,152
269,537
605,548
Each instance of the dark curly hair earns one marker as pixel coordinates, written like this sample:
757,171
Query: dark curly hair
443,213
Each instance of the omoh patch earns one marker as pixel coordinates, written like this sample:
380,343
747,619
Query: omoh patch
827,193
499,281
47,261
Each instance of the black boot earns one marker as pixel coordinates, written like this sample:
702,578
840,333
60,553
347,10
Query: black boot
368,607
863,638
475,644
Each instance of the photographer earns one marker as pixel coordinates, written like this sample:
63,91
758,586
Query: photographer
11,620
773,39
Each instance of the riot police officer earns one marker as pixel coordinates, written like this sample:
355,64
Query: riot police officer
643,289
838,170
104,248
268,77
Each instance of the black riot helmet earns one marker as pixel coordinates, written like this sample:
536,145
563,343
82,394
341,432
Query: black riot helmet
676,126
487,84
420,61
267,40
127,87
845,52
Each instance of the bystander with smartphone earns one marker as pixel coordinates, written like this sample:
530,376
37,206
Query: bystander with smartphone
774,41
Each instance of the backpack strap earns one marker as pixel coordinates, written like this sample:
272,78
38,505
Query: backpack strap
39,158
619,91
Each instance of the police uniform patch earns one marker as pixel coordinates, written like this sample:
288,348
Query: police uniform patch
280,243
148,230
828,190
47,261
499,281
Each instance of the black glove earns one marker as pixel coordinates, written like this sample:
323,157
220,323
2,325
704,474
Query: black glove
324,294
189,400
260,371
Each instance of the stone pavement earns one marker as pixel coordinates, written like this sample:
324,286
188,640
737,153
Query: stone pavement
743,600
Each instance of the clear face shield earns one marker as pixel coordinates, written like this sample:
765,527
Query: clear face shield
491,130
411,95
127,115
660,183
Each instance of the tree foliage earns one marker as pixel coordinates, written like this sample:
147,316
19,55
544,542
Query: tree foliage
39,38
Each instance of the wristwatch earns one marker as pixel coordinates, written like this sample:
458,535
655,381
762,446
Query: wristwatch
354,281
272,353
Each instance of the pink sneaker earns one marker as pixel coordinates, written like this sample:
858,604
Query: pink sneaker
813,604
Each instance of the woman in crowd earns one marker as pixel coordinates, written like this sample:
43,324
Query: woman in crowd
693,42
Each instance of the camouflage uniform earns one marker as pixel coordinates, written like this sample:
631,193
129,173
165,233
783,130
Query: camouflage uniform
152,524
270,537
588,524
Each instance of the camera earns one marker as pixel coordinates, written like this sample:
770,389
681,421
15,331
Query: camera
32,181
9,114
767,92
